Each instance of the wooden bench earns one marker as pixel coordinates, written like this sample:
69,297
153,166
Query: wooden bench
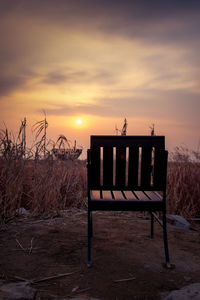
127,173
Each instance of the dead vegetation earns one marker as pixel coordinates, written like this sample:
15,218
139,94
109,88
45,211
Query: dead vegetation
32,179
43,187
183,188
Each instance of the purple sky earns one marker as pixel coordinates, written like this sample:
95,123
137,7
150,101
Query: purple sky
101,61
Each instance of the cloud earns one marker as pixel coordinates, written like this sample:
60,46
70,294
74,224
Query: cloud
84,77
138,18
121,58
55,78
40,32
10,84
158,105
89,109
140,9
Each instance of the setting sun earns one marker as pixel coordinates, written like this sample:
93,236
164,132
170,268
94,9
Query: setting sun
79,122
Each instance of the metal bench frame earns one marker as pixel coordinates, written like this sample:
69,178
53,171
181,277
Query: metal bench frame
127,173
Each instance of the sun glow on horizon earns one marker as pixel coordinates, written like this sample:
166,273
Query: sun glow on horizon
79,122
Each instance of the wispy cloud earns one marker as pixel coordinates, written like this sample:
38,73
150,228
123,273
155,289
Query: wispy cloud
9,84
86,77
159,106
101,58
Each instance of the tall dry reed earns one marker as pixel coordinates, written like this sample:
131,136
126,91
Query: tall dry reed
183,183
44,186
34,180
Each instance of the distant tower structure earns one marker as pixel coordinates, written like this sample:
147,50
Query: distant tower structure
152,129
124,128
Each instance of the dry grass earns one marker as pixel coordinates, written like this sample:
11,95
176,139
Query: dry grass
46,186
42,187
183,188
34,180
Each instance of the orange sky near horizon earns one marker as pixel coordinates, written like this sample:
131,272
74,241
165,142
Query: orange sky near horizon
79,60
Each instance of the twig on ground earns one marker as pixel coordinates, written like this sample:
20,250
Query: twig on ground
52,277
34,248
83,290
157,219
78,292
34,281
29,249
125,279
31,246
23,279
20,245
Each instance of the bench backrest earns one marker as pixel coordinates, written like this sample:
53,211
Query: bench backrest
127,162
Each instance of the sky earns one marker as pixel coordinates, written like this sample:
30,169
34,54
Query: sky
99,62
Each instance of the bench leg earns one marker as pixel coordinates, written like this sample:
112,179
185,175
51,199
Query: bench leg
168,265
152,225
89,237
91,224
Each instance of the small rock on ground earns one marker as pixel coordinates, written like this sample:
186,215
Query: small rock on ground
17,291
178,221
189,292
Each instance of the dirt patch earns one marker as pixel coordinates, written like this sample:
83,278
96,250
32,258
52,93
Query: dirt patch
126,262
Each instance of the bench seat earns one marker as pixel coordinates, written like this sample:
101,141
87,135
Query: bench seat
125,195
127,173
129,200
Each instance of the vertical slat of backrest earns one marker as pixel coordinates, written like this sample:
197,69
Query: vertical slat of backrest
107,166
95,167
133,165
133,143
146,167
120,166
160,169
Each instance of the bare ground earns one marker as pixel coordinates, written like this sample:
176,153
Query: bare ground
127,263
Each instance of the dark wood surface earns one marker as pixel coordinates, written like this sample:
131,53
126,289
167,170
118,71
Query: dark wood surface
94,172
146,166
134,178
124,195
127,141
107,166
139,162
133,165
160,169
120,166
125,200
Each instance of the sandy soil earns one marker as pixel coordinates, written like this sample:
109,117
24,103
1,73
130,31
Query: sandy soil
33,249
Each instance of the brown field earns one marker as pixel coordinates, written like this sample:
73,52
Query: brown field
183,189
45,187
32,179
52,238
126,262
42,187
